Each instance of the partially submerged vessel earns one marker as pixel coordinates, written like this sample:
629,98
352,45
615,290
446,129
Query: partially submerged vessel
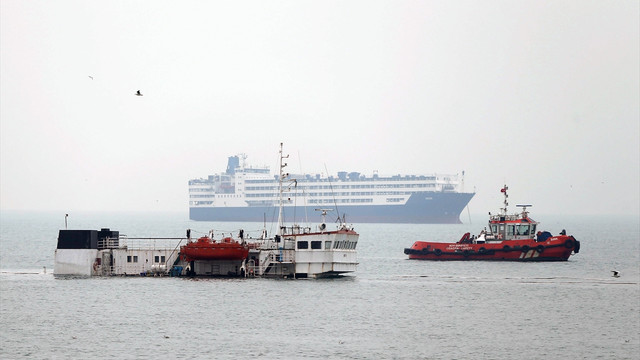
508,237
295,251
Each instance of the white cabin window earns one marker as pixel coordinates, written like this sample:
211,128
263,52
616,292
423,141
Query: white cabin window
316,245
327,245
303,245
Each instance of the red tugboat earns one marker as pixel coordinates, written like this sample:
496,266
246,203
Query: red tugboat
508,238
206,248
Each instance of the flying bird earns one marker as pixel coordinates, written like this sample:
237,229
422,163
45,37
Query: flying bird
615,273
90,77
138,93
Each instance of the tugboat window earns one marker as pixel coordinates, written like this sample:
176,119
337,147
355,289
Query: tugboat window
316,245
303,244
327,245
523,230
510,229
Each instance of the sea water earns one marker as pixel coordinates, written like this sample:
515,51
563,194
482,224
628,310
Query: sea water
391,308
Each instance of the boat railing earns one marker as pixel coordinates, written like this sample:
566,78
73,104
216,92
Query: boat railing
273,256
125,242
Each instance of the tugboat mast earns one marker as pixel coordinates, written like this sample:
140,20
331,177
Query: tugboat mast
504,191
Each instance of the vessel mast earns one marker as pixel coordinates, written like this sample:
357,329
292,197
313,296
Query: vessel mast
504,191
280,178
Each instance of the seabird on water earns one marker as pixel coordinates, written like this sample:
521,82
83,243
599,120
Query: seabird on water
615,273
138,93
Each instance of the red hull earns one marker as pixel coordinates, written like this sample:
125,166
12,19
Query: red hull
556,248
205,249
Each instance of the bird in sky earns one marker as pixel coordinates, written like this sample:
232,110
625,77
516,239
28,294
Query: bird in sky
615,273
138,93
90,77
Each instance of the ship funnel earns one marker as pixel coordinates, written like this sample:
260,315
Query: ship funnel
232,164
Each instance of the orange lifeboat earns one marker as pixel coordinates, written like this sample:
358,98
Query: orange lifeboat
206,248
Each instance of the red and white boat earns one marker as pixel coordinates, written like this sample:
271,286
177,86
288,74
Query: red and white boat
507,238
206,248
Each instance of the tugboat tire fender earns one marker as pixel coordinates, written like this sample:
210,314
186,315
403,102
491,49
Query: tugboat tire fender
525,248
540,249
506,248
568,244
466,253
482,250
438,252
577,248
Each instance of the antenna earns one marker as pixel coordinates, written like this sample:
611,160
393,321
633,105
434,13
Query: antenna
525,213
504,191
280,177
335,203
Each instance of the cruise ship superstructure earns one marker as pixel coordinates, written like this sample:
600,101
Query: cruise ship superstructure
250,193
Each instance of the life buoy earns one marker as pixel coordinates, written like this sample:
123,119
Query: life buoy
499,236
438,252
540,249
506,248
525,248
568,244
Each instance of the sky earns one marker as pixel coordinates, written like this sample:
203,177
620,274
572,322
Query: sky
543,96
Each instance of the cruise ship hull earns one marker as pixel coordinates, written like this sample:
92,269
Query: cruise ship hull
420,208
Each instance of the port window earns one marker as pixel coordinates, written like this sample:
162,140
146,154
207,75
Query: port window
327,245
316,245
129,258
303,244
135,259
162,259
157,258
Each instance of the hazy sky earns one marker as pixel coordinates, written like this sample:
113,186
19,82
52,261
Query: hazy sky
542,95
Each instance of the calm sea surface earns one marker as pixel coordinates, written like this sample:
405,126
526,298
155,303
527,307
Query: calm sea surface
391,308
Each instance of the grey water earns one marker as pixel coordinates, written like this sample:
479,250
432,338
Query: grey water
391,308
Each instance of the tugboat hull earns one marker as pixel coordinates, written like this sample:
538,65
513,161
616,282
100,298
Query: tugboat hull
557,248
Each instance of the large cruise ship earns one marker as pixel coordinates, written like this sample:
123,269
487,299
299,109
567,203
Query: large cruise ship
250,193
